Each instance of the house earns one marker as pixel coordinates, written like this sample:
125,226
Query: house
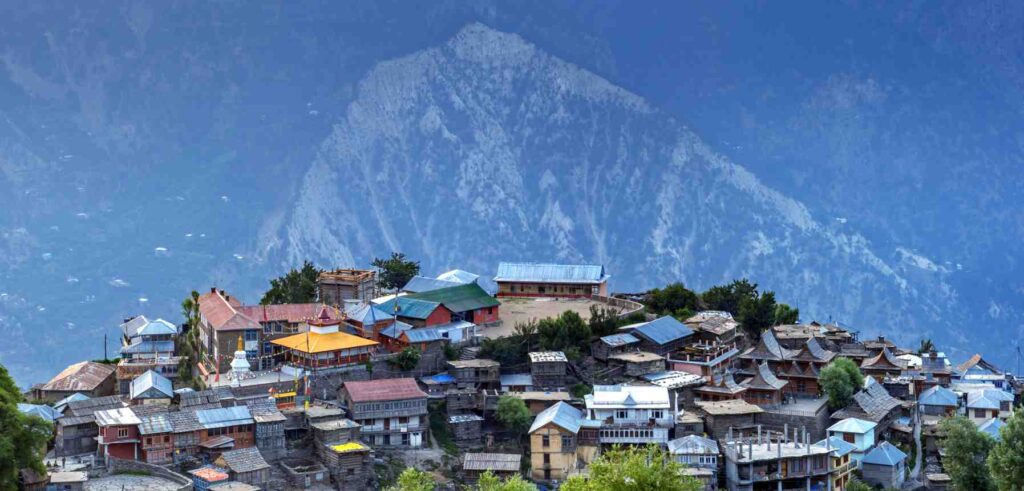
151,388
478,372
638,363
269,423
935,370
991,428
721,387
185,431
465,427
88,377
985,404
155,433
464,277
222,324
225,429
548,368
118,433
417,312
882,365
466,302
67,481
938,401
842,463
147,345
392,412
764,387
429,341
696,452
437,385
977,370
631,414
62,404
367,319
704,359
208,476
857,432
788,464
873,404
721,416
282,320
804,368
660,336
884,466
713,327
613,344
337,286
560,438
502,465
516,382
767,350
349,463
796,335
551,280
324,347
245,465
77,432
458,332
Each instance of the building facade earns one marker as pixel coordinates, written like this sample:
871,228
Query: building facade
392,412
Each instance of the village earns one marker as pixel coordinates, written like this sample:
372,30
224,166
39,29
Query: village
458,376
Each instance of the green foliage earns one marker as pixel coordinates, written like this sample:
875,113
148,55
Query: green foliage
394,272
439,430
507,350
926,346
855,485
188,343
729,297
296,286
514,415
675,299
840,380
562,332
489,482
1006,460
23,438
368,365
634,468
579,390
757,313
966,451
525,333
413,480
784,314
603,321
451,352
406,360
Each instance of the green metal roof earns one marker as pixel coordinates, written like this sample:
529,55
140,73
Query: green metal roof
460,298
409,307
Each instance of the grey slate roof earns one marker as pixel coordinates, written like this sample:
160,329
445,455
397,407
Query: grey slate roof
884,454
663,330
184,421
768,348
764,379
551,273
560,414
692,444
208,396
873,403
502,462
89,406
244,460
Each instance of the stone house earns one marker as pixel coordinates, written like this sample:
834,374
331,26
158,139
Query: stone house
392,412
548,369
613,344
245,465
475,373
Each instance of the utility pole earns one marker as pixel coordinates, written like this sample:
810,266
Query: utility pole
104,346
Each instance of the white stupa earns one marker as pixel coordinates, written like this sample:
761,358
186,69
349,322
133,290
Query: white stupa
239,365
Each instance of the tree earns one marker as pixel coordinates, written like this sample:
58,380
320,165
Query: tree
634,468
23,437
840,380
1006,460
784,314
407,359
489,482
757,314
603,320
855,485
926,346
579,390
966,451
413,480
189,344
566,330
675,299
393,273
525,332
729,297
296,286
514,415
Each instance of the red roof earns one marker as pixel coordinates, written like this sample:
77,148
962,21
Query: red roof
222,313
288,312
389,389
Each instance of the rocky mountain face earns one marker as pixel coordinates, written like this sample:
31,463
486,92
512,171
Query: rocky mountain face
486,149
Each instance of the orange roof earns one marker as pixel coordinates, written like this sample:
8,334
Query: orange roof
288,312
322,343
222,313
209,474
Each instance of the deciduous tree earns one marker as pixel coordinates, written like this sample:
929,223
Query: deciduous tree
407,359
966,451
1006,460
840,380
22,437
514,415
412,479
295,286
641,468
489,482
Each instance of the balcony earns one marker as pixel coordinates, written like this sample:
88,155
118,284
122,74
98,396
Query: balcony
406,428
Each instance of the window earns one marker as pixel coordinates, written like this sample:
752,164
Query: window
545,441
547,458
621,414
566,441
849,438
252,335
656,414
267,348
979,413
122,432
350,472
149,441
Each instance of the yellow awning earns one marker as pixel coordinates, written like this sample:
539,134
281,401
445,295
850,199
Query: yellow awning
348,447
323,343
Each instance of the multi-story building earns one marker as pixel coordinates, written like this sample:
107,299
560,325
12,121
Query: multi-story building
788,464
335,287
704,359
713,327
156,438
222,324
856,432
226,428
88,377
478,372
551,280
77,432
548,368
696,452
118,433
561,438
631,414
392,412
842,463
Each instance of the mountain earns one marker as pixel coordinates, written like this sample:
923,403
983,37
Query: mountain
486,149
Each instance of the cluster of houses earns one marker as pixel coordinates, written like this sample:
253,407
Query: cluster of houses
302,394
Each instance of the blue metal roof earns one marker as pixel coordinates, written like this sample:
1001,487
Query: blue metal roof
409,307
663,330
516,379
884,454
551,273
938,396
560,414
839,446
227,416
395,329
441,378
156,328
148,347
991,427
424,284
616,340
423,335
45,412
366,313
151,380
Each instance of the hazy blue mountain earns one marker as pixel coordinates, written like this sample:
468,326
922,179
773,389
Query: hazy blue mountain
866,166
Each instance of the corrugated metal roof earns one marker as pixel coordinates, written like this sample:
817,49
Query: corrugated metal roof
460,276
517,379
616,340
853,425
459,298
693,444
663,330
884,453
633,396
409,307
987,398
550,273
938,396
561,414
83,376
155,423
423,335
47,413
503,462
419,284
389,389
991,427
157,327
366,313
226,416
133,325
151,380
839,446
63,403
119,416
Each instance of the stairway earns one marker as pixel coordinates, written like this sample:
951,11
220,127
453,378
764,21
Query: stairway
469,353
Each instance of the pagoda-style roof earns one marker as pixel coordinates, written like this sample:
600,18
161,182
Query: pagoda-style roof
723,383
795,370
764,379
813,352
768,349
884,360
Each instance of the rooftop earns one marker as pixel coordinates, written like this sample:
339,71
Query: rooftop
459,298
349,447
221,312
616,340
551,273
884,453
243,460
693,444
636,357
383,390
288,312
84,376
560,414
116,417
731,407
673,379
759,452
503,462
853,425
411,308
222,417
543,356
474,363
613,396
663,330
313,342
143,384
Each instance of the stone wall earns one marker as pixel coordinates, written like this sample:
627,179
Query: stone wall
778,419
115,466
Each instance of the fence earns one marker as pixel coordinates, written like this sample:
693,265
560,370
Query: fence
626,307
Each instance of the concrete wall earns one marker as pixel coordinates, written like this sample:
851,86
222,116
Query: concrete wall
777,420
